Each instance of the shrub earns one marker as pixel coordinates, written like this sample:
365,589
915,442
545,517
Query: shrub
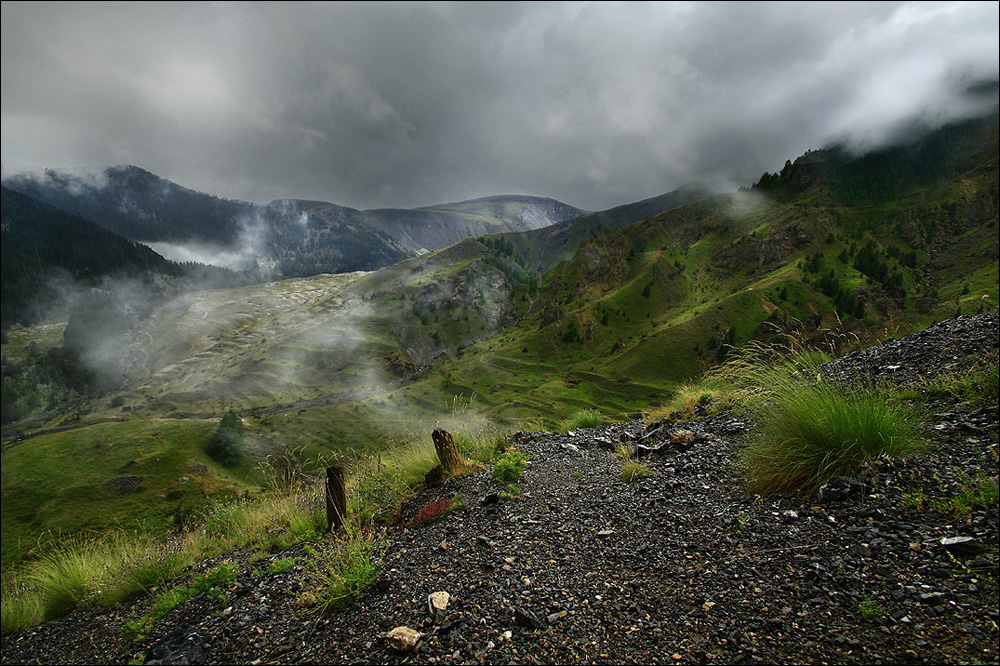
226,445
509,466
811,432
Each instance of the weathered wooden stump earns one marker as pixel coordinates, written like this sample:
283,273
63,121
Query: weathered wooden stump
336,497
447,452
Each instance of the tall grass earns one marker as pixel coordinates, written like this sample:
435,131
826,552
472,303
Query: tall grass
343,567
811,431
108,569
743,381
103,571
585,418
482,445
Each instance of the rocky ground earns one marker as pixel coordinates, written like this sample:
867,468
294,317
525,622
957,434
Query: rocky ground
679,567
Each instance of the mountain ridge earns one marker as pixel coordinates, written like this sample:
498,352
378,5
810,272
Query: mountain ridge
179,221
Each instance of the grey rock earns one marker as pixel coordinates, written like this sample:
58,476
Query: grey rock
962,546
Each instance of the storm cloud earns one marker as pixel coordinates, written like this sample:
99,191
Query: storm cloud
407,104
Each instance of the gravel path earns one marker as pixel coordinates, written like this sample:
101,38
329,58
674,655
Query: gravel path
679,567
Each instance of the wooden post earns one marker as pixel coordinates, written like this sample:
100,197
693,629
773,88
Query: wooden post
446,451
336,497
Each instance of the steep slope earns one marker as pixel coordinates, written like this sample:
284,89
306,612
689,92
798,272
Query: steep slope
682,565
44,250
640,309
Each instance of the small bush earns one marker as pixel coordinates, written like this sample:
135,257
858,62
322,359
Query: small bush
509,466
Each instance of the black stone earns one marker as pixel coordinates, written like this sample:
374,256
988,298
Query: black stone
527,619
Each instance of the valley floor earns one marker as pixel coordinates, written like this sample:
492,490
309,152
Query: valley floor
679,567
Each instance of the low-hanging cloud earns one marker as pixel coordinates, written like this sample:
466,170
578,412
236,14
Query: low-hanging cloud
408,104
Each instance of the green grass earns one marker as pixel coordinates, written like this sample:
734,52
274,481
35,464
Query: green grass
973,491
111,567
869,609
340,568
586,418
980,384
812,431
214,583
100,572
138,475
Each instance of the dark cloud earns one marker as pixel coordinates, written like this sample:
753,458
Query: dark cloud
408,104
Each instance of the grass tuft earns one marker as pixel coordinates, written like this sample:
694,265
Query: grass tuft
586,418
811,432
633,470
980,384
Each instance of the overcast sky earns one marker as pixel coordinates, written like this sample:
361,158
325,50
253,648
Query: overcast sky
410,104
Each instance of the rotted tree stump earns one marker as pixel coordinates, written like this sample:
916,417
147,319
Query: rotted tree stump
336,497
447,452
